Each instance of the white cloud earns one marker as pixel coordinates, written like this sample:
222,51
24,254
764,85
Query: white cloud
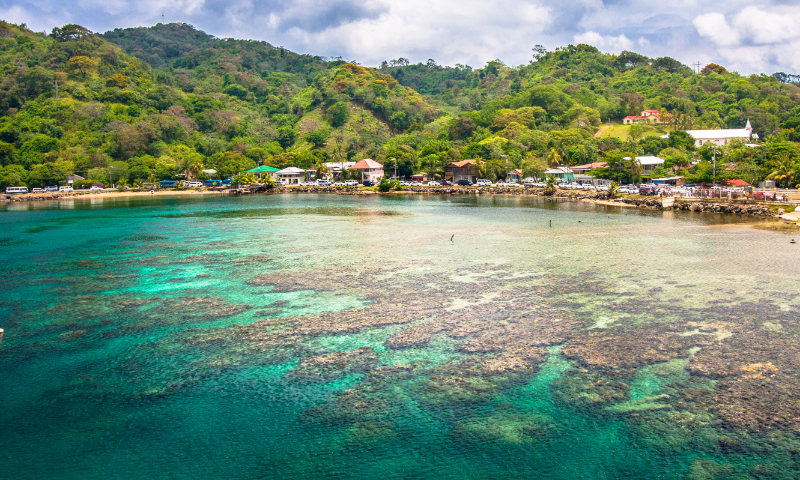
751,37
776,26
445,31
715,27
616,44
756,39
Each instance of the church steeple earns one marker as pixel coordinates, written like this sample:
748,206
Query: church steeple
748,127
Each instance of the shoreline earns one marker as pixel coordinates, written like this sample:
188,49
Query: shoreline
698,205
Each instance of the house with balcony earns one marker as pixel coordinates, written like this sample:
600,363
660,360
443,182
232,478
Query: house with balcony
461,170
370,170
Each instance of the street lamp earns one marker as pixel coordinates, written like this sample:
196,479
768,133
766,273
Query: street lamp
109,176
394,160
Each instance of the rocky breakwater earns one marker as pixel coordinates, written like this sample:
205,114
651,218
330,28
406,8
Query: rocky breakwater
314,189
521,191
29,197
742,209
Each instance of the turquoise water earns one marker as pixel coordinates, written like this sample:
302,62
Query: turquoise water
217,337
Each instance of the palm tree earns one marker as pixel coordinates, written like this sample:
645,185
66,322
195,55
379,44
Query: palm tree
195,165
635,166
550,187
320,169
479,168
553,158
433,166
783,172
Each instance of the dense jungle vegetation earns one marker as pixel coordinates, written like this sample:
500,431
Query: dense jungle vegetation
145,104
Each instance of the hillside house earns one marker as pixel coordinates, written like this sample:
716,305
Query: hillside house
652,117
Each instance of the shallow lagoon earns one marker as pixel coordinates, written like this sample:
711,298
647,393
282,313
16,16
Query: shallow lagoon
349,337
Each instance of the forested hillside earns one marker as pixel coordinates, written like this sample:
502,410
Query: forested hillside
150,103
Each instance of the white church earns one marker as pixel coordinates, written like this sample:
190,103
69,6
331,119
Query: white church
722,136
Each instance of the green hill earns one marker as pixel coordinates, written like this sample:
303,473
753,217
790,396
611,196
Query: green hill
149,103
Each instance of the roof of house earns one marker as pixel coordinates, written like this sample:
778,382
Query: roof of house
263,168
339,165
721,133
75,177
366,164
648,160
666,179
556,170
462,163
291,171
736,182
589,166
656,112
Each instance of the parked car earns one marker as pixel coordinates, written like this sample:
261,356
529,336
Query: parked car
16,189
501,183
368,183
37,190
51,188
464,183
446,183
323,183
483,183
433,183
65,189
415,184
192,184
351,183
95,188
646,190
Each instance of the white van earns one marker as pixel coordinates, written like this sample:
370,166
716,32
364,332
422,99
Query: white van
351,183
323,183
65,189
16,189
484,183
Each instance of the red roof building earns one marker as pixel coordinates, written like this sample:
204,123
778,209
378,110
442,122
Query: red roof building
736,182
370,169
588,166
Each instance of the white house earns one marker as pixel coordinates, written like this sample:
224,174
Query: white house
290,175
721,137
650,163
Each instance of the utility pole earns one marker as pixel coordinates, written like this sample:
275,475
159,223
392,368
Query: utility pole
697,66
714,184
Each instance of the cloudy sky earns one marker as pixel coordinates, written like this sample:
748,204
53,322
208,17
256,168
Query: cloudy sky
747,36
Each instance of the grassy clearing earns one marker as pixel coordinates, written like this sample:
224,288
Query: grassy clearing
621,131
